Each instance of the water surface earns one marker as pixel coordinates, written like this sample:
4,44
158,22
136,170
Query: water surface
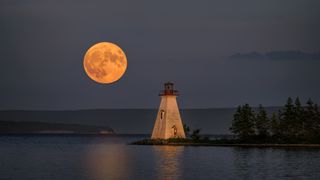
109,157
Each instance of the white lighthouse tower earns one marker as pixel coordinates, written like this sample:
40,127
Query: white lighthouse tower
168,123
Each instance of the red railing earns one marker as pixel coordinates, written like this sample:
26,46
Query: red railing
169,92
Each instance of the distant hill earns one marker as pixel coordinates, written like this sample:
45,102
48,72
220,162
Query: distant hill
18,127
277,55
130,121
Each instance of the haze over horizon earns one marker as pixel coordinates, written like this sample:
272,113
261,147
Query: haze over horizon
217,53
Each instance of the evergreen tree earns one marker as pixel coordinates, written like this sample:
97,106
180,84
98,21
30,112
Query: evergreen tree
287,117
243,122
309,117
312,122
298,120
317,124
274,125
262,123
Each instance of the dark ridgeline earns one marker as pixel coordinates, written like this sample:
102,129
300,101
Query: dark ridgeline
277,55
123,121
293,123
130,121
15,127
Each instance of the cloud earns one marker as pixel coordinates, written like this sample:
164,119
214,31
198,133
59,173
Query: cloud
277,55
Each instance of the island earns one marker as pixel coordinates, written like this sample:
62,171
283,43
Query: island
295,125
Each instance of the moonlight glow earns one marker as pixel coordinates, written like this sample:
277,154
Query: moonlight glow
105,62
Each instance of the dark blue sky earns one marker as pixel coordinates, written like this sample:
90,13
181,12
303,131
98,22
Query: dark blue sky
188,42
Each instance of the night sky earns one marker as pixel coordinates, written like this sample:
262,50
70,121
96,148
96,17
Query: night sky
218,53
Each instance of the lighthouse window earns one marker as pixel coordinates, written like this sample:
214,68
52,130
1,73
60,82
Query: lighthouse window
162,114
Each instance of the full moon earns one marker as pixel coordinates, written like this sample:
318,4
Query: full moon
105,62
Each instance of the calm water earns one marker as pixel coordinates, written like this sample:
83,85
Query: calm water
108,157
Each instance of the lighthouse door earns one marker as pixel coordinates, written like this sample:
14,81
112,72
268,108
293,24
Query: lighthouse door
174,129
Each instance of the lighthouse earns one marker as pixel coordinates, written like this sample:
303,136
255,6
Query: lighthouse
168,123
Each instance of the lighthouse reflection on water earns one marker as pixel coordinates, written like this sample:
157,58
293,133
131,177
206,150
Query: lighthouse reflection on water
120,161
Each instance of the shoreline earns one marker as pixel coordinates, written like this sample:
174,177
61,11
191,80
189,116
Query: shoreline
239,145
245,145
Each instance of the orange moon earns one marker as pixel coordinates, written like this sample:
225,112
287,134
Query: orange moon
105,62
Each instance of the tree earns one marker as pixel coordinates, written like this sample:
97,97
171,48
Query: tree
309,116
186,129
262,123
195,135
286,120
312,122
243,122
274,125
316,124
298,120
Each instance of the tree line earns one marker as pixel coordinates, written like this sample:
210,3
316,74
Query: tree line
293,123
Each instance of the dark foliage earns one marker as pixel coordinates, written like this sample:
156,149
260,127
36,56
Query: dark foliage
195,135
243,122
186,129
294,123
262,123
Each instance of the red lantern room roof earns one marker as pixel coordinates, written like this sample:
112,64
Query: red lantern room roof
169,90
